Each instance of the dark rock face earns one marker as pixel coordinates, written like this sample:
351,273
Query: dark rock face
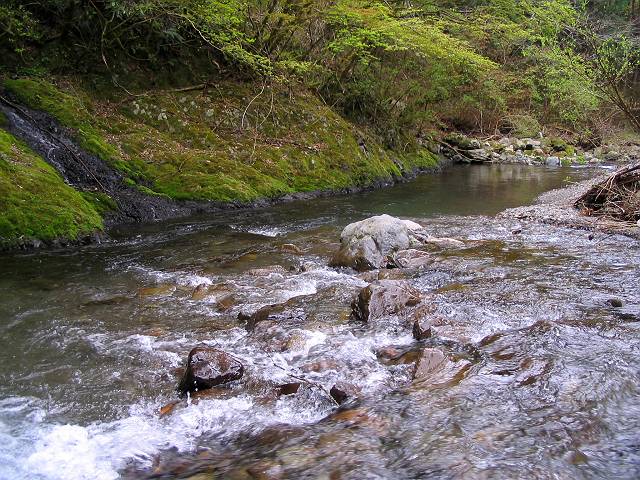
342,391
384,297
208,367
421,329
289,388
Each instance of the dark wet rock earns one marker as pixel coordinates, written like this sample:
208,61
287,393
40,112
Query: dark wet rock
289,388
288,311
343,391
225,303
208,367
615,302
422,329
205,291
423,321
365,245
384,297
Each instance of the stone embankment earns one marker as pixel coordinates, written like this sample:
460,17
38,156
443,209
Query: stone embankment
532,151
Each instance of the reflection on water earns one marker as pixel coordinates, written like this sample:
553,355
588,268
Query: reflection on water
542,376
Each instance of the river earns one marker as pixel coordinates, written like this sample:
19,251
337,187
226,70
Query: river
93,339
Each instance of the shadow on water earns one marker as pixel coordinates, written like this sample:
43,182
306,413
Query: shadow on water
537,374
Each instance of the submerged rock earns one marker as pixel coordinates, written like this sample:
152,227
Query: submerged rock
208,367
435,368
384,297
430,362
342,391
365,245
444,242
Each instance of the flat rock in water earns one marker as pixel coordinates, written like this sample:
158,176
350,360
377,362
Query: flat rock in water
266,271
365,245
208,367
444,242
412,258
384,297
435,368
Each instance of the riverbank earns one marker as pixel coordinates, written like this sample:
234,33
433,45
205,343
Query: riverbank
174,153
556,207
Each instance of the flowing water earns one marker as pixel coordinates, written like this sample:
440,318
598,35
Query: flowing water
544,380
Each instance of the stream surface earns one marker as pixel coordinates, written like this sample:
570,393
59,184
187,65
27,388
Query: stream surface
92,341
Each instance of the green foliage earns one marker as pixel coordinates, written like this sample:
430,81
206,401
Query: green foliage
34,200
398,68
563,85
17,26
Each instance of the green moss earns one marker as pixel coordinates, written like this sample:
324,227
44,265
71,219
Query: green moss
102,202
34,200
556,144
209,146
148,191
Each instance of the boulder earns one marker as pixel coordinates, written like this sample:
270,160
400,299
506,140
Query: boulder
552,161
365,245
208,367
478,155
382,298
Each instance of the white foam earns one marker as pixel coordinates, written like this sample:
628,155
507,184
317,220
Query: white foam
100,450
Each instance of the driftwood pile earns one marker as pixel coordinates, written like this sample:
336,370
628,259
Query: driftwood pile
616,198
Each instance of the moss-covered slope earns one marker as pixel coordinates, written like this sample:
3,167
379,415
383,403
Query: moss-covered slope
35,203
228,142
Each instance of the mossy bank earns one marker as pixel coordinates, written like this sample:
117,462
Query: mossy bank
225,144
